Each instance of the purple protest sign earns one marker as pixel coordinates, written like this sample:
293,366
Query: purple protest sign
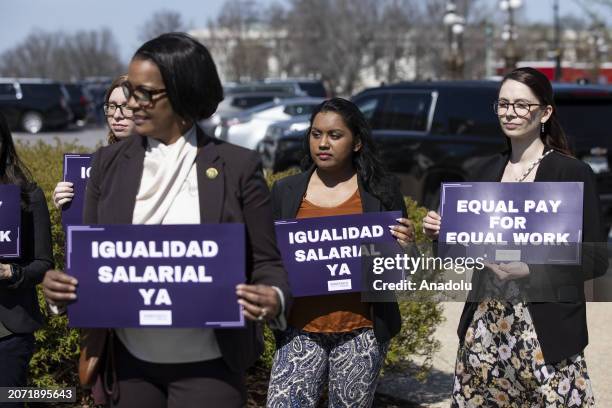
322,255
76,171
10,221
156,275
536,223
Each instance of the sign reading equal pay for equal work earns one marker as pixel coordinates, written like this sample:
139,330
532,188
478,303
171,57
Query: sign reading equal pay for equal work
537,223
156,275
322,255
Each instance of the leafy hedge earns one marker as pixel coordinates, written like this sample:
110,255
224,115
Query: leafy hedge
54,362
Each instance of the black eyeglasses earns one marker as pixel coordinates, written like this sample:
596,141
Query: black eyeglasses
520,108
111,108
143,96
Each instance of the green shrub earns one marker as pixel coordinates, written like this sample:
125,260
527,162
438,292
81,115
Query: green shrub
413,348
54,362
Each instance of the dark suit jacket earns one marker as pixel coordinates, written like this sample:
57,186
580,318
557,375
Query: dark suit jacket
19,310
287,195
238,194
559,320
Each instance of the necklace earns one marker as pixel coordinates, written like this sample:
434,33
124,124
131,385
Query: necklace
532,166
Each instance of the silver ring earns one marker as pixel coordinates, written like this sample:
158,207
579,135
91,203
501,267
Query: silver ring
263,314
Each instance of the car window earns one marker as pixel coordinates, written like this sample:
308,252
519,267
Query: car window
406,111
581,119
47,91
301,109
369,105
315,89
7,91
74,91
466,112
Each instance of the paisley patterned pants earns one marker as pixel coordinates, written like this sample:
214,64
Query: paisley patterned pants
304,362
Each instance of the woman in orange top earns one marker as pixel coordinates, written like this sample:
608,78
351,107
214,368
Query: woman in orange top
336,338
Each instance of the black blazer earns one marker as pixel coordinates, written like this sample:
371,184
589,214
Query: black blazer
238,194
287,195
560,323
19,310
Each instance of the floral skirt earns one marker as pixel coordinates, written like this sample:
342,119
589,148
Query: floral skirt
501,364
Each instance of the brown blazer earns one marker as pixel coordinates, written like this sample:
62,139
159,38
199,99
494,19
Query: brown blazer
238,194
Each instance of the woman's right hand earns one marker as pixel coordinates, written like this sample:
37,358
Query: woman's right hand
431,225
62,194
59,287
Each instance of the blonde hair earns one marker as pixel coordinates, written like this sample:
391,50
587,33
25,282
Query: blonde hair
111,138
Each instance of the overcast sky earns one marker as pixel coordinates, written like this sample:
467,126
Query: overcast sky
125,17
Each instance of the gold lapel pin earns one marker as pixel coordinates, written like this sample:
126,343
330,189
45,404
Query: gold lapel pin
211,173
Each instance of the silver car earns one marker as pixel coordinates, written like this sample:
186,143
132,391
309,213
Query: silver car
249,128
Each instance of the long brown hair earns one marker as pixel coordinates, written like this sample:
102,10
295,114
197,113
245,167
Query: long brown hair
12,169
551,133
111,138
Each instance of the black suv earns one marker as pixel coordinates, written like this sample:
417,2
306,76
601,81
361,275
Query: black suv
80,103
429,132
34,104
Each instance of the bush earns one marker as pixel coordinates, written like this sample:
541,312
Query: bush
55,361
420,317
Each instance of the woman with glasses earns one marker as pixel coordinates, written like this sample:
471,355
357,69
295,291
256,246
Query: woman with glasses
120,125
173,173
522,337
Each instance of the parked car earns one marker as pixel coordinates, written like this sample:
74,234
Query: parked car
81,103
302,86
430,132
233,104
248,128
34,104
281,147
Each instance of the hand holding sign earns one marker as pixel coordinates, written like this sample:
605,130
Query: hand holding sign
59,287
404,232
260,302
63,193
509,271
431,225
5,272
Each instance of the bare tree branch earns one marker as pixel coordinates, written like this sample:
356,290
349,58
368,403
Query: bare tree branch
162,21
64,57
